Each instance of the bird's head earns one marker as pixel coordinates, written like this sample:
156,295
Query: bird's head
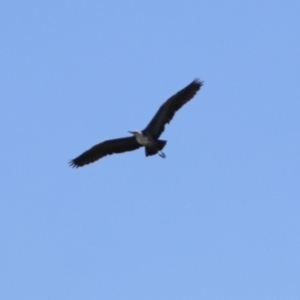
135,132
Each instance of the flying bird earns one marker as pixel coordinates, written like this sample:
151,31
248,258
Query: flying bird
147,137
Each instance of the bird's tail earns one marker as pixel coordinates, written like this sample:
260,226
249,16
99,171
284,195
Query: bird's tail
160,144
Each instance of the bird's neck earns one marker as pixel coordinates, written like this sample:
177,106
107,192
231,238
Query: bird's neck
142,139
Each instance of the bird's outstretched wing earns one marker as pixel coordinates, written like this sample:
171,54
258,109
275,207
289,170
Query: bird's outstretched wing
167,111
105,148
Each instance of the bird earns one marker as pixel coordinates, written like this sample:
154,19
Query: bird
148,137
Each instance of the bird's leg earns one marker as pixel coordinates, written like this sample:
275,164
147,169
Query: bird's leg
161,154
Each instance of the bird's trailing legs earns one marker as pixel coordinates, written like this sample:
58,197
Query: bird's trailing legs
161,154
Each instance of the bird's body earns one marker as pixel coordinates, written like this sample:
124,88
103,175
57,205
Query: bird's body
151,145
141,139
148,137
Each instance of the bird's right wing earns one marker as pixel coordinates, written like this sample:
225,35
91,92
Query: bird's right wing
105,148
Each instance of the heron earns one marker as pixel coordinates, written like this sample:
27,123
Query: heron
148,137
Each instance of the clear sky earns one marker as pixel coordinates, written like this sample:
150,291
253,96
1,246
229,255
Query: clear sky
219,218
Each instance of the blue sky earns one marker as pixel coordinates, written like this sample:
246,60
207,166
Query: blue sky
218,218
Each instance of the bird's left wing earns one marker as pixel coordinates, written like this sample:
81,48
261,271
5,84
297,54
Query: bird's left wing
168,109
105,148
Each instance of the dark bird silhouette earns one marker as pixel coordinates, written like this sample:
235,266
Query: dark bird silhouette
147,137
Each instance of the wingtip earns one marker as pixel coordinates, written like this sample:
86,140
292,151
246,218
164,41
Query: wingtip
198,81
73,164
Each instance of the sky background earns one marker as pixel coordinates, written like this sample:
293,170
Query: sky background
218,218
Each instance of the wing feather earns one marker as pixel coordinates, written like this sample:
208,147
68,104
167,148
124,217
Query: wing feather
105,148
168,109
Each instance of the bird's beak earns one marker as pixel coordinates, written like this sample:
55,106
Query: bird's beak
131,132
